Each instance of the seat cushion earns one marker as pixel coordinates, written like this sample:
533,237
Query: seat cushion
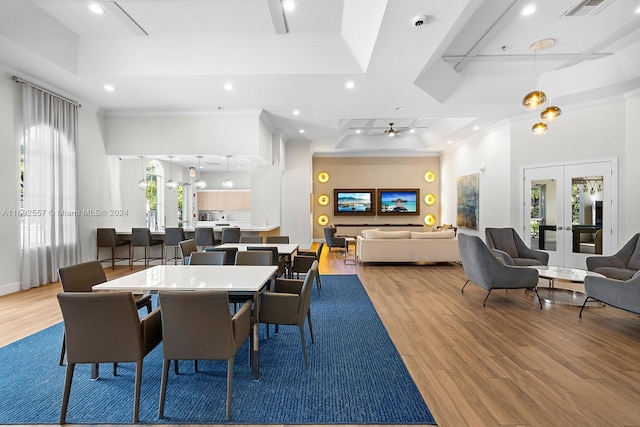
616,273
526,261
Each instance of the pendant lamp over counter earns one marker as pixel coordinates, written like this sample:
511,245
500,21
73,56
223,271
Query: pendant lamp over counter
227,183
143,184
171,184
199,183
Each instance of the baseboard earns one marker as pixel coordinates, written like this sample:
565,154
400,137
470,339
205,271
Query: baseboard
9,288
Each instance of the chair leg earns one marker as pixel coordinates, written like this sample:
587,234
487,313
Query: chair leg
584,305
113,257
67,390
195,365
484,303
538,296
310,327
318,283
304,346
136,393
63,349
229,387
463,286
163,385
175,367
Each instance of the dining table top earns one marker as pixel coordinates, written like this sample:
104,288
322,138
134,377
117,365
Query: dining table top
230,278
283,248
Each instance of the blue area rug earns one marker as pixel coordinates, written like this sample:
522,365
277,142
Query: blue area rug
355,376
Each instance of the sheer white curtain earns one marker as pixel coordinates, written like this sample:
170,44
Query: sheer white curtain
50,231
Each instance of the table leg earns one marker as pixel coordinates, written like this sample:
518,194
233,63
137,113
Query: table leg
255,345
95,371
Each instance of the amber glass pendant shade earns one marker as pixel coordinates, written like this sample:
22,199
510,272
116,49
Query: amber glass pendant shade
551,113
540,128
534,100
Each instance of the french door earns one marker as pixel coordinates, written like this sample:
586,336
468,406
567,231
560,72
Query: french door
569,210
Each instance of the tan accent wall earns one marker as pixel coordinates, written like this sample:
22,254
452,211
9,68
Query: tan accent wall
376,173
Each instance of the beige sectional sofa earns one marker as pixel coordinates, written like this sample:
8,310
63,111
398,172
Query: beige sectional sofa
407,246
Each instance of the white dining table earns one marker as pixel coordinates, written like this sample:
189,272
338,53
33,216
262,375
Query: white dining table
283,248
237,280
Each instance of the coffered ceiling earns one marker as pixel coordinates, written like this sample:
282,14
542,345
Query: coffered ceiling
465,69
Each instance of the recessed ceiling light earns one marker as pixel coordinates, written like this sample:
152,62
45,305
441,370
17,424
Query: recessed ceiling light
296,112
412,131
288,5
95,8
301,131
528,9
476,127
638,9
109,88
358,131
350,85
228,86
449,142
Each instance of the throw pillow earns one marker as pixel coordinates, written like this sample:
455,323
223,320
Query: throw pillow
379,234
365,232
446,234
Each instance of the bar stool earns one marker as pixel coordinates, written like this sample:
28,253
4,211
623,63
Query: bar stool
204,237
230,235
172,238
142,237
108,238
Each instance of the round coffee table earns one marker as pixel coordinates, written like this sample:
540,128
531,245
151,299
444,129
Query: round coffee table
565,295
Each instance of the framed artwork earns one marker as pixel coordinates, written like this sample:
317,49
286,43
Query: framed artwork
468,197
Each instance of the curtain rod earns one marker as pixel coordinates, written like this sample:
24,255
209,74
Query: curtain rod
19,80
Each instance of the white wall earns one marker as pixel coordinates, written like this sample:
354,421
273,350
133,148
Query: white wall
10,131
489,151
297,221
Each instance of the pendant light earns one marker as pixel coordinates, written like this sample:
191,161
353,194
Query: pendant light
227,183
143,184
536,98
171,184
200,184
540,128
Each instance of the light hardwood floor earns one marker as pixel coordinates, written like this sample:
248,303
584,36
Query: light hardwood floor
507,364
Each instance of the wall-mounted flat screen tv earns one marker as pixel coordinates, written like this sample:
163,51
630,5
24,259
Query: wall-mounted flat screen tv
354,202
399,201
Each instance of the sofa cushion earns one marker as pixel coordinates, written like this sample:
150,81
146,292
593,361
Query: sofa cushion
365,232
380,234
445,234
616,273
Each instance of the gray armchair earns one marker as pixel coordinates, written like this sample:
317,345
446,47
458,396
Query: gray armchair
332,240
623,294
485,270
621,265
510,249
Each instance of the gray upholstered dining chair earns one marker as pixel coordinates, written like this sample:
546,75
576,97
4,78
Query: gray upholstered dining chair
253,258
289,303
187,247
510,249
276,259
104,327
250,239
81,278
485,270
207,258
108,238
277,239
230,254
303,261
199,326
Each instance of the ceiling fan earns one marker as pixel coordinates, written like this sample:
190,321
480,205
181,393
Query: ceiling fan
391,131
